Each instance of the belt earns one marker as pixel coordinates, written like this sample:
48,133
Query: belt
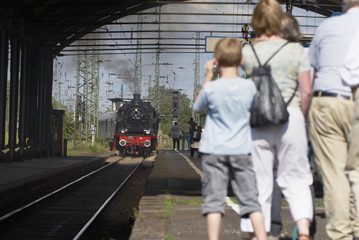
329,94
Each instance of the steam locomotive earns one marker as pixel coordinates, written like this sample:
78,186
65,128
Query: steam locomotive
136,127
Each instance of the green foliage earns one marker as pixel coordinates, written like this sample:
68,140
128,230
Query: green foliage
165,142
58,105
167,212
84,148
169,237
194,202
137,214
69,124
95,148
69,118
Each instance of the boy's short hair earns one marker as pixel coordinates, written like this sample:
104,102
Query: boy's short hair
228,52
268,18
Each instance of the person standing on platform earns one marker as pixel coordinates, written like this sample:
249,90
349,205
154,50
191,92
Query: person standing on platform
291,33
226,143
193,127
175,135
350,75
196,138
186,129
287,143
330,117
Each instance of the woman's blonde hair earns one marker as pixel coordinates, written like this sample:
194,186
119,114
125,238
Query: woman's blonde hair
267,18
228,52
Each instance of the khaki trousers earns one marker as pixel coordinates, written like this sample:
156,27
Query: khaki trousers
330,123
352,165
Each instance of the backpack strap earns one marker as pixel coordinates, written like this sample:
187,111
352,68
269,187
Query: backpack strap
291,98
259,63
276,52
255,54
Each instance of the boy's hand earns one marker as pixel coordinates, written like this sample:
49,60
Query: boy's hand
209,75
209,70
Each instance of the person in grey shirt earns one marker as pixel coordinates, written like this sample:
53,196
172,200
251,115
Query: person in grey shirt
287,143
330,119
175,135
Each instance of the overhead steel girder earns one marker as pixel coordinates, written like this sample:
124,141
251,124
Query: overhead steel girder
34,15
101,21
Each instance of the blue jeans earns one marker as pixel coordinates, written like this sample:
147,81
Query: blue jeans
187,137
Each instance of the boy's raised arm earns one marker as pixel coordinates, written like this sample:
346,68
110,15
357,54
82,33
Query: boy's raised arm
209,75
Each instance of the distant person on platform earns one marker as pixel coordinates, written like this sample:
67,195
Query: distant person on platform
193,127
186,134
175,135
196,138
226,143
330,118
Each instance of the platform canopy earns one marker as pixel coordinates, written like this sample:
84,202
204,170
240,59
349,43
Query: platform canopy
58,23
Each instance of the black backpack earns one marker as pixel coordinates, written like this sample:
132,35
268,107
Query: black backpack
270,108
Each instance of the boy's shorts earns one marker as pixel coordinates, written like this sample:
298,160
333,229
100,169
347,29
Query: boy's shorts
215,172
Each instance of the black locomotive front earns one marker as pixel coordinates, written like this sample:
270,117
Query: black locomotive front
136,127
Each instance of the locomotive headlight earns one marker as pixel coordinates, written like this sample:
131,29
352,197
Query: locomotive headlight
122,142
147,131
122,130
147,143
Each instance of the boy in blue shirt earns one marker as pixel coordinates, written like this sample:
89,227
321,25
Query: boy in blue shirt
226,143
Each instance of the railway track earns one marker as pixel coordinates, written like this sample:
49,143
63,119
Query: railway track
68,212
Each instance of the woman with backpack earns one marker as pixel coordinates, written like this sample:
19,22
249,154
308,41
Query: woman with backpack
286,142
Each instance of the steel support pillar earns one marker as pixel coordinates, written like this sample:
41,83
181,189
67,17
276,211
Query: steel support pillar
32,103
41,113
48,144
24,76
196,77
44,102
14,94
3,86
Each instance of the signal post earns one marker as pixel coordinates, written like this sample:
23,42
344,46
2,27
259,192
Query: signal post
175,106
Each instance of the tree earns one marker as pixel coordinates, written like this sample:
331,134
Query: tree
58,105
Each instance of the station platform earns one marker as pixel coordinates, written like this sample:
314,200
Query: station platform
171,205
21,182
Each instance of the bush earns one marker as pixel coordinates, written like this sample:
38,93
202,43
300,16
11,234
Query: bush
165,142
100,146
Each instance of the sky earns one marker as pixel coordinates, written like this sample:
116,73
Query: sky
176,69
